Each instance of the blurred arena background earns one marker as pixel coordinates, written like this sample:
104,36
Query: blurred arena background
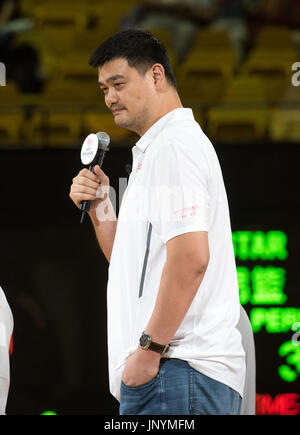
237,65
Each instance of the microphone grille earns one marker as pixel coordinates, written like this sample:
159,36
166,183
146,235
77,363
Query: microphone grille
103,139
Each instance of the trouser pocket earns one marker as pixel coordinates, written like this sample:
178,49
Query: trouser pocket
140,399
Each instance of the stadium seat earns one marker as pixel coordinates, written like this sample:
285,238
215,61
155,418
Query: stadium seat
285,118
86,42
97,120
275,71
54,16
207,68
274,38
11,122
285,125
242,115
67,93
164,36
106,15
203,78
10,94
212,39
59,93
75,69
57,23
55,128
271,58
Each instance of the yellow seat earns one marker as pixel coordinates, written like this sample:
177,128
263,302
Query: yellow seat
55,128
11,122
57,23
163,35
12,98
274,38
106,16
285,118
242,115
54,16
58,117
287,54
10,94
29,6
212,39
203,78
64,128
94,121
285,125
59,93
275,71
86,41
208,66
75,69
271,59
69,93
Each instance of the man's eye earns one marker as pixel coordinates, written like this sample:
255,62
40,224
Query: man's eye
119,84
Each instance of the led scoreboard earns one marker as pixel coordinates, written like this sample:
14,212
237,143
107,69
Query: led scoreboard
266,272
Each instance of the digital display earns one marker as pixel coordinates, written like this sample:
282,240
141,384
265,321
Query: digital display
262,259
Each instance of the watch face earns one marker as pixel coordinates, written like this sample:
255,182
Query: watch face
144,340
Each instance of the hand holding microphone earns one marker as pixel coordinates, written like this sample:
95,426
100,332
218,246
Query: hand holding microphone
86,184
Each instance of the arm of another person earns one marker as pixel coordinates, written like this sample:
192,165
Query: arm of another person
6,329
186,263
4,388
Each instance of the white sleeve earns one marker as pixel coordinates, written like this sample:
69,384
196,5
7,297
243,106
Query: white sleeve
6,327
179,200
4,387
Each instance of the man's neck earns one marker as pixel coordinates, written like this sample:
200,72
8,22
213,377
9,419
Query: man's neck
167,105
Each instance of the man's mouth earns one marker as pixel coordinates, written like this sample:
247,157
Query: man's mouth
117,111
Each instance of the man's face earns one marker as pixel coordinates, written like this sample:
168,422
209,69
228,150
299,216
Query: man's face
128,94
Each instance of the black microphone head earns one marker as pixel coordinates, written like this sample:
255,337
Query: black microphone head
103,139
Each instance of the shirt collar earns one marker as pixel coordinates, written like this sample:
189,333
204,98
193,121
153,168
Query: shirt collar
179,114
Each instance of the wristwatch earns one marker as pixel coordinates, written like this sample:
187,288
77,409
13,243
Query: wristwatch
146,343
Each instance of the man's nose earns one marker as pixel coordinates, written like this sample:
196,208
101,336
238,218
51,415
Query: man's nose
111,97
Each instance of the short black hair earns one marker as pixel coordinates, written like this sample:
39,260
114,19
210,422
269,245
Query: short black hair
139,47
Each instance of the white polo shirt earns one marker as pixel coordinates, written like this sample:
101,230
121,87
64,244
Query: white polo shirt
175,187
6,329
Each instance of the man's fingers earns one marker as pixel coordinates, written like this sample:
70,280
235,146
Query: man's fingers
87,182
81,188
87,186
103,178
77,198
86,173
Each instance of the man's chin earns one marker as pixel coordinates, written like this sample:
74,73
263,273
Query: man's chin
121,122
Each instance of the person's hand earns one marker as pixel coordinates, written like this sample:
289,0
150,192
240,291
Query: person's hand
89,186
141,367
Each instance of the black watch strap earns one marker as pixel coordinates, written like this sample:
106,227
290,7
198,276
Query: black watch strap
160,348
146,343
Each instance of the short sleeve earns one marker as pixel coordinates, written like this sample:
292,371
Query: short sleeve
6,329
179,200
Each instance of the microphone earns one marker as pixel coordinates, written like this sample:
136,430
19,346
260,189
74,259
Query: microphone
92,153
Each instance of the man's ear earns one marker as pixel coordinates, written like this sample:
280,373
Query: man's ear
158,74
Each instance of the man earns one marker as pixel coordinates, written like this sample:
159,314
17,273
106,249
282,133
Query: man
6,328
172,295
